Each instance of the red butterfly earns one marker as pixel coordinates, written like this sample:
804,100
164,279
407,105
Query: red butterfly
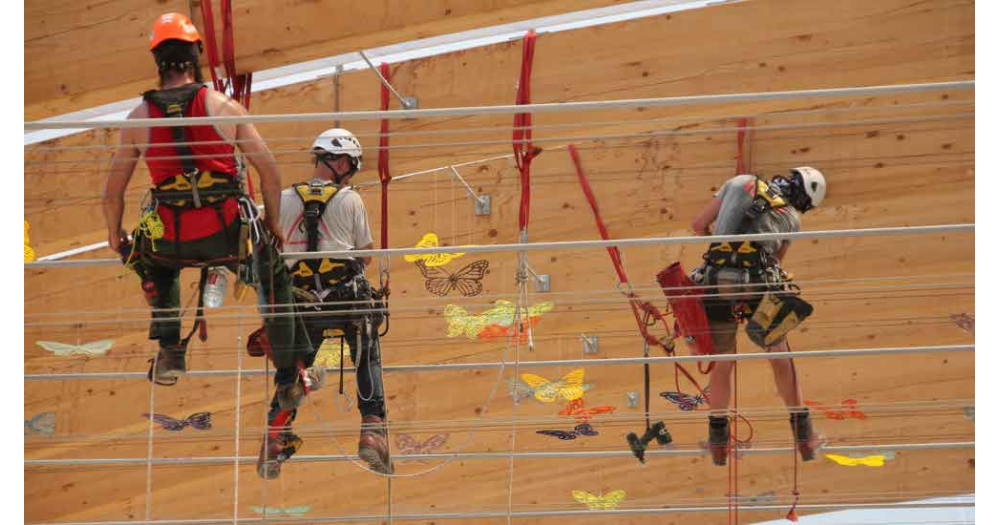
575,408
847,409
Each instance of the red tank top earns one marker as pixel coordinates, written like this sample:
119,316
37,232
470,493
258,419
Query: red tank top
162,161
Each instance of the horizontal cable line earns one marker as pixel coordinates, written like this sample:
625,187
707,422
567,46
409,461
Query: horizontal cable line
543,140
569,245
310,458
575,298
542,364
623,512
501,128
515,109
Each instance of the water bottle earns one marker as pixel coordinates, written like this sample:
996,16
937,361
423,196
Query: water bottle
215,287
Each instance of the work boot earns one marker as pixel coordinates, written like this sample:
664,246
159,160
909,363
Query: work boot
806,439
718,439
372,447
290,395
274,452
168,366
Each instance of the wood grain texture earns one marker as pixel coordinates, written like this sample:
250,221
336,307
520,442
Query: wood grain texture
882,171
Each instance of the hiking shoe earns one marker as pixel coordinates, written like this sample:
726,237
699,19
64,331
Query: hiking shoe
718,439
274,452
168,366
806,439
372,447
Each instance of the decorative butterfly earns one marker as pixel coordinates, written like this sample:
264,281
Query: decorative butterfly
606,501
29,254
494,323
583,429
44,424
570,387
92,349
329,353
198,421
468,280
575,408
847,410
409,445
685,402
430,240
298,511
868,461
965,322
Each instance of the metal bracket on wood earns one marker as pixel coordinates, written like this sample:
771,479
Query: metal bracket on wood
543,283
632,399
405,102
589,343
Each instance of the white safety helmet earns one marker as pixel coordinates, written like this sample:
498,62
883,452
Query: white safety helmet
339,141
813,184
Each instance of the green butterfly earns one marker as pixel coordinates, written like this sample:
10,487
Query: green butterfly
278,511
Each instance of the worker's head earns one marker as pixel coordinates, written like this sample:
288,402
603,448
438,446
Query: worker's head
176,46
804,188
336,155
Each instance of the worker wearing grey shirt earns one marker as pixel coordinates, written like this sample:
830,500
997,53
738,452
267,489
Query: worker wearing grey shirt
746,205
333,298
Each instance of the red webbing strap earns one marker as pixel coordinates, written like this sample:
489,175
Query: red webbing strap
524,152
209,39
383,157
642,310
741,164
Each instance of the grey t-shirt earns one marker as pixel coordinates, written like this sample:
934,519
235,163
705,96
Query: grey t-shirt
737,194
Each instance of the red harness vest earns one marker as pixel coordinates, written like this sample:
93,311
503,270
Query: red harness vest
216,155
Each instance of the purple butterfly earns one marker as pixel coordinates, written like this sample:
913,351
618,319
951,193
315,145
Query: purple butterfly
685,402
199,421
583,429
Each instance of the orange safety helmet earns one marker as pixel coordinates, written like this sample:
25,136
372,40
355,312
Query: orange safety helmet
173,26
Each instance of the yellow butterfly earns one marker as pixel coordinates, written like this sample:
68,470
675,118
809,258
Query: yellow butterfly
501,315
29,254
607,501
868,461
430,240
570,387
329,353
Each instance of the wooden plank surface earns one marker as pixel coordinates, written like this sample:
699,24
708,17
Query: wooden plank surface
883,171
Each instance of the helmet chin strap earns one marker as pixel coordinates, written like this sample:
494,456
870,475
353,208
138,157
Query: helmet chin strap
337,177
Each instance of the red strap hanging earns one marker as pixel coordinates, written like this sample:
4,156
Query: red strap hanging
383,157
524,152
236,86
741,164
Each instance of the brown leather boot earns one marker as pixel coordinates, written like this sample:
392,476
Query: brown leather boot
274,452
168,366
372,447
718,439
806,439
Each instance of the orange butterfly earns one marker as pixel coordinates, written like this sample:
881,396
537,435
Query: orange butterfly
848,409
575,408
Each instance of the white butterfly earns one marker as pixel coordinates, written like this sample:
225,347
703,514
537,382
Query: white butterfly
44,423
92,349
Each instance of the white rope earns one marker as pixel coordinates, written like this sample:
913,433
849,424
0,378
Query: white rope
574,245
559,107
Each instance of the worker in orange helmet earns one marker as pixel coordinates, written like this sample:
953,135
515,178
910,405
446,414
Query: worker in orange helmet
198,213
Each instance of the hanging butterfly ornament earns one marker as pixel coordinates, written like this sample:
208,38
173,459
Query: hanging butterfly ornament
576,409
29,253
570,387
868,461
848,409
296,511
686,402
603,502
92,349
430,260
583,429
408,445
495,323
468,280
329,353
43,424
197,421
